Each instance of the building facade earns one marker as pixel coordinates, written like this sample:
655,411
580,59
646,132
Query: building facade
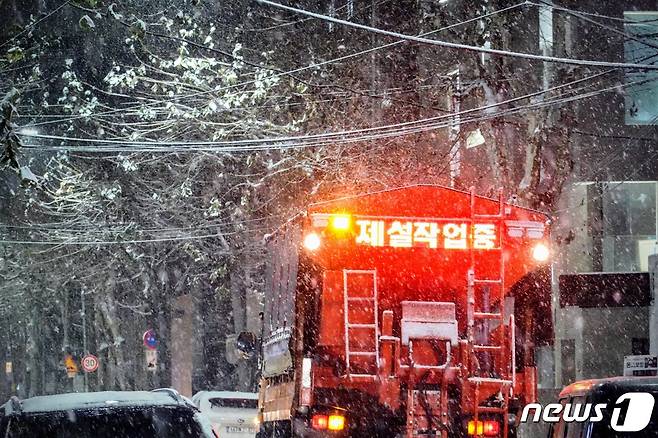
606,221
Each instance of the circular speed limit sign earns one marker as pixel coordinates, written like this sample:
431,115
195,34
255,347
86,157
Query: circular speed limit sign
90,363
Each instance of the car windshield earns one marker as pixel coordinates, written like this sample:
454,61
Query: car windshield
169,422
604,429
240,403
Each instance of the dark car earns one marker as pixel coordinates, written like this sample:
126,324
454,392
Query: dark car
626,408
161,413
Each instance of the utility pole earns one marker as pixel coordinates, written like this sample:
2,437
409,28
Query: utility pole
546,41
374,69
9,369
84,335
455,126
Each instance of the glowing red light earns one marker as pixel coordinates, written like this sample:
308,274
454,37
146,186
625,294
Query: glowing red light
319,422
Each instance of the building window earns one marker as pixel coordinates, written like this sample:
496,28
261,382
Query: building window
619,226
629,209
629,221
641,91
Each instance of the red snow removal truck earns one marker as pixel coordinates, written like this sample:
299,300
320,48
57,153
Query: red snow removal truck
406,312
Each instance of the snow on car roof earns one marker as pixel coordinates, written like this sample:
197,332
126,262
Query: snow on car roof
106,399
628,383
226,394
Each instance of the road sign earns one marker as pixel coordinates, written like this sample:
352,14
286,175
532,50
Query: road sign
150,340
643,365
9,367
90,363
71,366
151,359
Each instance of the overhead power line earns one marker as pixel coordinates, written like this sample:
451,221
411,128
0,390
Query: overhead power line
440,43
296,141
395,43
292,23
128,227
109,242
615,137
121,242
398,132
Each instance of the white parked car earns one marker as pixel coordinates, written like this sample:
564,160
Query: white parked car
232,414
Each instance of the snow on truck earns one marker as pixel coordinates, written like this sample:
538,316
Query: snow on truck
393,314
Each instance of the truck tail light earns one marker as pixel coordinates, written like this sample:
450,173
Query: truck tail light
491,428
484,428
328,422
319,422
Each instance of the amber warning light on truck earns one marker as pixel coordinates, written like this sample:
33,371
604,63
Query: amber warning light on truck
340,222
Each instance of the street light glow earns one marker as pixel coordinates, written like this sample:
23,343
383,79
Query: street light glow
312,241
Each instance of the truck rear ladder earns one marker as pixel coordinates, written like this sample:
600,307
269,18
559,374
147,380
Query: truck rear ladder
365,299
479,311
